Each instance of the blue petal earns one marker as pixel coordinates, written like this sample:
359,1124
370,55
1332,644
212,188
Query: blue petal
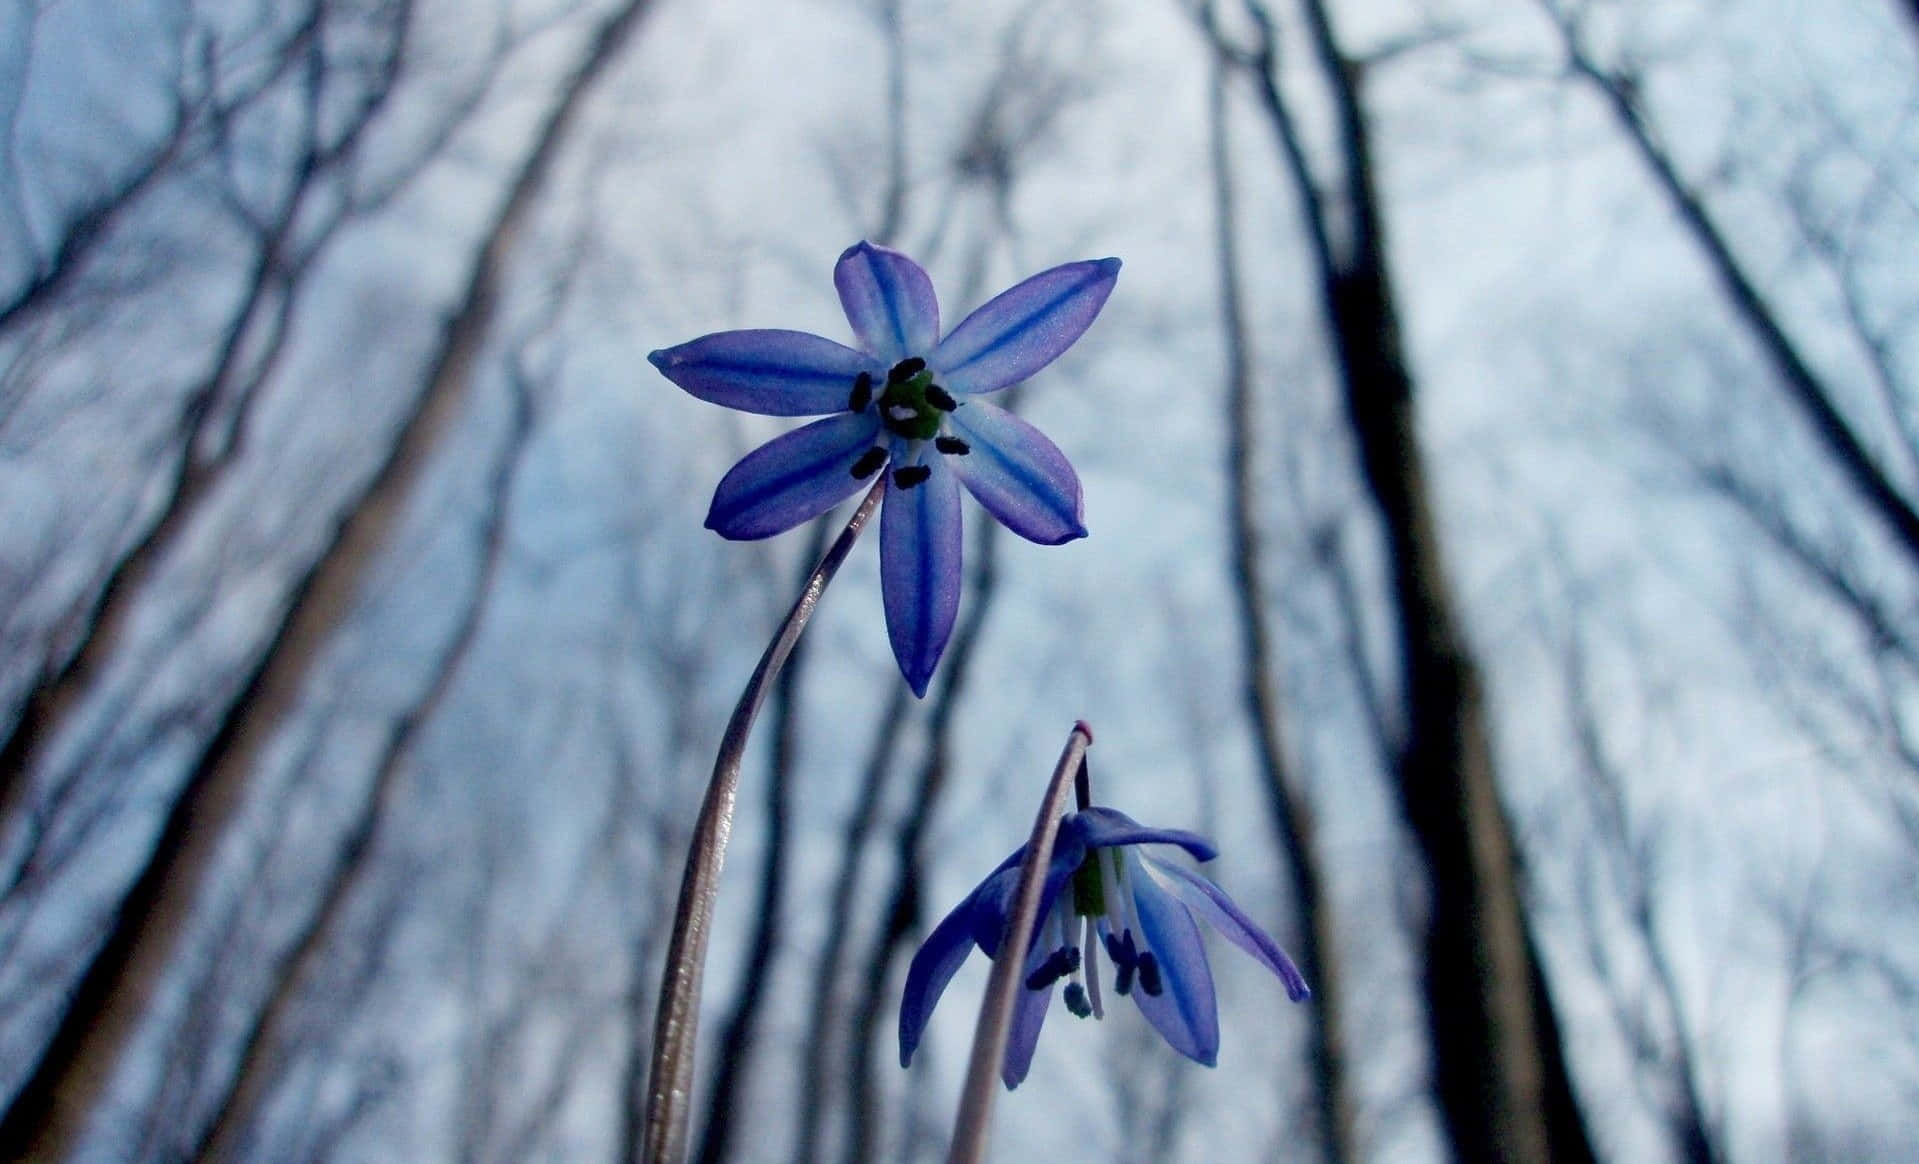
920,571
771,372
1105,828
994,903
1029,1015
889,301
1210,903
792,478
1185,1012
934,965
996,894
1017,474
1024,328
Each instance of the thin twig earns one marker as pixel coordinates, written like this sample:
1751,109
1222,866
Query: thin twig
670,1080
996,1011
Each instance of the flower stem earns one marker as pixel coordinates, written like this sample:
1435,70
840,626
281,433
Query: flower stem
669,1088
996,1011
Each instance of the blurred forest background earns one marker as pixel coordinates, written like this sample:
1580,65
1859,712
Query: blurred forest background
1502,460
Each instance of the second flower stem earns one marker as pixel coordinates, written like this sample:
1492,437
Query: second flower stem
669,1088
974,1121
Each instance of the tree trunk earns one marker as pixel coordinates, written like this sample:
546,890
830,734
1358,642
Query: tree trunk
1289,806
1499,1070
1501,1080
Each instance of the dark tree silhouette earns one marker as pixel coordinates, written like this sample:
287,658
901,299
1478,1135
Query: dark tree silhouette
1287,801
53,1106
1499,1069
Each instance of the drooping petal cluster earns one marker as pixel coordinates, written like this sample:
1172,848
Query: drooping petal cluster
1101,894
908,401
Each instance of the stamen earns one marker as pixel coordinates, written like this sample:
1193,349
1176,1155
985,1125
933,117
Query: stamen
869,462
952,446
1092,968
940,398
911,475
1058,965
1076,1001
1149,974
1124,887
862,393
905,370
1125,956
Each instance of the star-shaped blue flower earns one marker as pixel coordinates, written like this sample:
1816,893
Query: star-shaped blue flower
911,400
1100,893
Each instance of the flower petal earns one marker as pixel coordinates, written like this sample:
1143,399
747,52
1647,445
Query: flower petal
792,478
1186,1011
994,899
768,371
1017,474
1210,903
920,571
1029,1015
1104,828
889,301
1024,328
934,965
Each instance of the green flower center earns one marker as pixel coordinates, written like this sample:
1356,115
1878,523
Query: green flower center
910,405
1089,888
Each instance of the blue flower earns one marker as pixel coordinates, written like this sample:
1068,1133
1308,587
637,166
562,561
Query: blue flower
909,399
1100,893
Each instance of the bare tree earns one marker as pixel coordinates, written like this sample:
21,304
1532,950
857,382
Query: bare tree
1499,1069
214,416
1621,876
1286,798
1813,396
53,1106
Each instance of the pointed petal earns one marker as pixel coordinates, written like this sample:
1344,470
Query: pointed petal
1017,474
920,570
1185,1012
934,965
1210,904
792,478
1024,328
996,894
1105,828
771,372
889,301
1029,1015
995,904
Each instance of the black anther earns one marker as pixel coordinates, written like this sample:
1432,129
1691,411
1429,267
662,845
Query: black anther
940,398
1057,965
862,393
869,462
1127,959
905,370
1076,1001
910,476
952,445
1149,974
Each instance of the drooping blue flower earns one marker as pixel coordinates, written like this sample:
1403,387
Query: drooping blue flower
909,399
1101,893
